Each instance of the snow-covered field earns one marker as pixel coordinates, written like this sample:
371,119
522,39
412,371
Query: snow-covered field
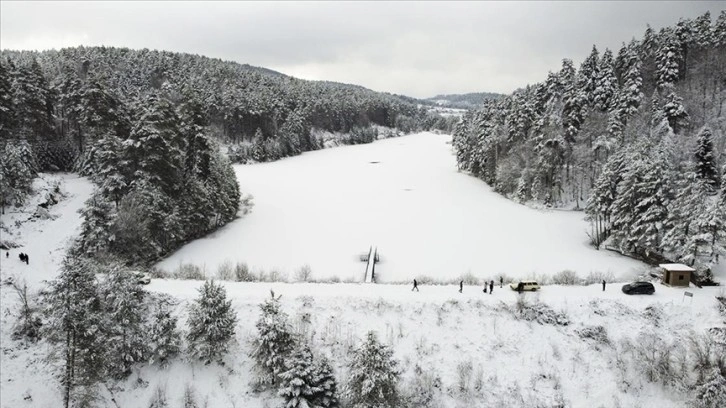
405,196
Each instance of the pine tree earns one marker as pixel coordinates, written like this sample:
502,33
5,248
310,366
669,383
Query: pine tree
706,169
211,323
74,327
7,110
374,375
668,58
274,342
674,110
165,339
324,379
97,230
606,83
33,102
297,385
712,393
155,147
16,174
127,341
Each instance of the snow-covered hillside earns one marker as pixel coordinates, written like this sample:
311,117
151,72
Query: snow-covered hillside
43,233
405,196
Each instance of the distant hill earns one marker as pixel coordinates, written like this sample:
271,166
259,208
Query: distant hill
464,101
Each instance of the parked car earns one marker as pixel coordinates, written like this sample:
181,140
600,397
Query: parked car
142,278
525,286
639,288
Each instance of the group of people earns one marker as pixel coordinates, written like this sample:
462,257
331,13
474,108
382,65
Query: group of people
461,285
23,257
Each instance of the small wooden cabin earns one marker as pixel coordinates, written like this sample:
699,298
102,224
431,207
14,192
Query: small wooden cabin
677,274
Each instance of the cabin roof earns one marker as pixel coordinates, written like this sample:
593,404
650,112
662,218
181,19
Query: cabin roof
677,267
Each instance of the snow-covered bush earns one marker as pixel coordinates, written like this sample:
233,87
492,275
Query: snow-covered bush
373,376
464,371
566,277
596,333
304,273
242,272
424,388
158,398
539,312
211,323
225,271
189,400
189,272
28,323
274,341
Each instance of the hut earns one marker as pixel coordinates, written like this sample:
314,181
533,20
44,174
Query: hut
676,274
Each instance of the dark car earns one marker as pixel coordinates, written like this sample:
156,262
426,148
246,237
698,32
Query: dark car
639,288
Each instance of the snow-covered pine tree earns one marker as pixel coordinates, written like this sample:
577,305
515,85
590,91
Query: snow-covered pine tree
324,380
668,57
606,82
97,231
16,175
274,342
706,169
297,386
211,323
126,334
674,110
657,193
165,338
712,393
374,374
7,110
74,328
32,102
684,239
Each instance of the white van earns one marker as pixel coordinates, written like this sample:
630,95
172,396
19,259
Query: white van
526,285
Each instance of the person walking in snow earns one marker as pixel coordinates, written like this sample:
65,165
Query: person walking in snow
415,286
501,281
22,257
7,254
461,286
491,287
603,285
485,287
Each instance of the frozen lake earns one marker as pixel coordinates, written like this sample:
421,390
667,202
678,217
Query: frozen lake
406,197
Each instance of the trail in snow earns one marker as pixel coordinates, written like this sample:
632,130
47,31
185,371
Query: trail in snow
44,240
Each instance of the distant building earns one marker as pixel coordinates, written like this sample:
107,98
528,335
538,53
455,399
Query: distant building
677,274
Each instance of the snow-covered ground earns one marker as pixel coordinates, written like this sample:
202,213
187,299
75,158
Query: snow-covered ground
514,362
405,196
43,236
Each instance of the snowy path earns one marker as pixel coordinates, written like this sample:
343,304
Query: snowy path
406,195
44,241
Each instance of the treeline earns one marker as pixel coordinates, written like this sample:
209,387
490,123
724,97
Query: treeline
62,95
145,126
636,138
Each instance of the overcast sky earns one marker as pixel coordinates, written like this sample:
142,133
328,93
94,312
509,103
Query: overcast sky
413,48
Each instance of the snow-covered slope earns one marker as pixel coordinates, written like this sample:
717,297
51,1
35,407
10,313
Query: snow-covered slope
43,236
405,196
